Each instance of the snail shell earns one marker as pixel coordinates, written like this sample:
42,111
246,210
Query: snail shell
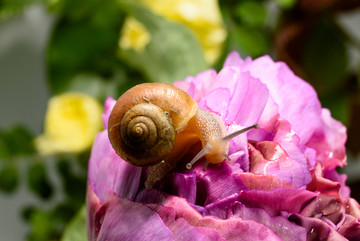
145,120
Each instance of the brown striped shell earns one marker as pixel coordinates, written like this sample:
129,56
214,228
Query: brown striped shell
145,120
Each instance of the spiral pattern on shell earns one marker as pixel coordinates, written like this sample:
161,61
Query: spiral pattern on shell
140,132
147,134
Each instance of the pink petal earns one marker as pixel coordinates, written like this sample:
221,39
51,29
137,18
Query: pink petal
288,200
269,158
264,182
121,219
248,100
230,229
231,207
329,141
217,101
233,59
108,173
92,206
351,228
109,105
216,183
197,86
297,100
353,208
316,228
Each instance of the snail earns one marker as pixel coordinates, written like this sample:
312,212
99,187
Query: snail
155,124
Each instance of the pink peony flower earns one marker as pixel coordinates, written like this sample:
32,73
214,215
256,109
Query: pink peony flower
280,185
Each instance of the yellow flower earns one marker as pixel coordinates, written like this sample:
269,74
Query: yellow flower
135,35
203,17
71,123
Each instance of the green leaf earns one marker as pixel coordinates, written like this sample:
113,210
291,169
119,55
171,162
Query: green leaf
9,178
172,53
84,40
65,211
339,106
286,3
325,58
9,8
74,184
5,152
17,140
78,47
98,12
38,181
21,140
76,229
248,41
49,224
93,85
43,226
251,13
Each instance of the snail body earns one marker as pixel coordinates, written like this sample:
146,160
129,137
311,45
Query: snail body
155,124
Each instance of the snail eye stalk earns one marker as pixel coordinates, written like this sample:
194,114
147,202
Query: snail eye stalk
208,148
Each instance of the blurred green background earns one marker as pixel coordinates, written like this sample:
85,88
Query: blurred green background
51,47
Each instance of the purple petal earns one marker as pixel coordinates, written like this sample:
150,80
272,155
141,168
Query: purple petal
239,161
272,202
269,116
329,141
109,105
227,78
148,196
323,185
297,100
92,206
222,208
233,59
339,178
127,180
310,154
101,148
248,100
121,219
351,228
182,185
327,208
230,208
238,150
268,158
197,86
285,229
353,208
264,182
290,142
230,229
108,173
288,200
116,176
217,183
217,101
316,228
182,230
